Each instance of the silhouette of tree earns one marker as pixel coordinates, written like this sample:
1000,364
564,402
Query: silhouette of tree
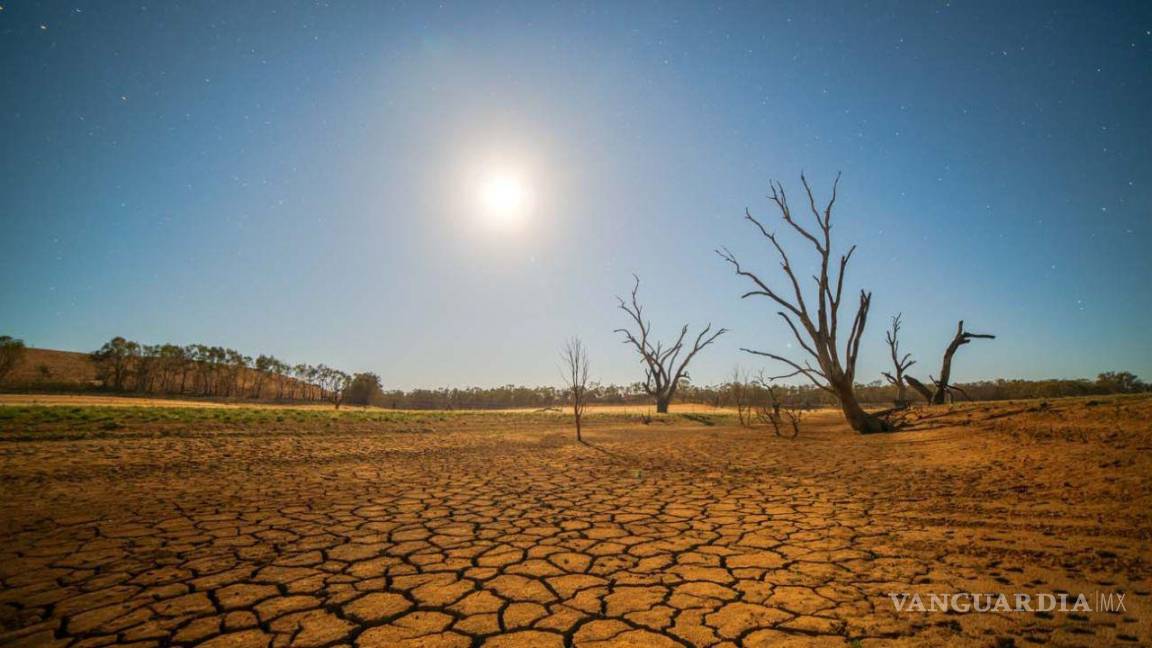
662,374
575,357
899,363
814,322
944,388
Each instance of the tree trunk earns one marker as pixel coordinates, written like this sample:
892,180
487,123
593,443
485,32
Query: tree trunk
920,388
962,337
939,397
662,405
861,421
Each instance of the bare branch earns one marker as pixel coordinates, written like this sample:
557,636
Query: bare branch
764,289
663,367
817,335
575,356
818,379
961,338
799,338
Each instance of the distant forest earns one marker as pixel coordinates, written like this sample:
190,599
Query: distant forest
199,370
723,395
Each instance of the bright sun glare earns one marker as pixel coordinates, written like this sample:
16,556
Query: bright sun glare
504,199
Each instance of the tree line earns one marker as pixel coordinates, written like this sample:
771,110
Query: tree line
212,371
365,390
878,393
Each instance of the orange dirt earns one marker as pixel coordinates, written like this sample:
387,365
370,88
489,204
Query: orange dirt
509,533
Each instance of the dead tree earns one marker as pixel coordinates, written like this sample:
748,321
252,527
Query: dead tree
663,366
575,357
920,388
900,364
769,411
794,416
962,337
741,392
815,325
775,412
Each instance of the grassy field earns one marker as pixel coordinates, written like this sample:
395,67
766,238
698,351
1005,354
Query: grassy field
80,400
302,526
58,421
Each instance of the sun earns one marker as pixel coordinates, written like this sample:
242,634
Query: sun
504,199
503,193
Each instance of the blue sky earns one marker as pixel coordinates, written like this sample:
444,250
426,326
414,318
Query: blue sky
296,178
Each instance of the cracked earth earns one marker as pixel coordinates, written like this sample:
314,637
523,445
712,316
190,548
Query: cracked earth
495,530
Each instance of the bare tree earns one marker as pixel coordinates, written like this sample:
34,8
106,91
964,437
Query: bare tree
820,326
795,417
770,410
775,412
741,393
899,364
663,366
943,387
575,357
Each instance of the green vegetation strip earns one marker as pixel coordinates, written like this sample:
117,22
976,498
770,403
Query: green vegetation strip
56,422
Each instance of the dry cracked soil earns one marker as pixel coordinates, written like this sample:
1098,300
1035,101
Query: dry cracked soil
500,530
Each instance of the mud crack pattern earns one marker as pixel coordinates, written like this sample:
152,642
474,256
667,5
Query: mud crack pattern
678,536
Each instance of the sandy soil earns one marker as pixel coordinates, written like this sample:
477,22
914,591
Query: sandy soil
502,530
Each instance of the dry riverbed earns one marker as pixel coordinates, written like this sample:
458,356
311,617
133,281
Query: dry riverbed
237,527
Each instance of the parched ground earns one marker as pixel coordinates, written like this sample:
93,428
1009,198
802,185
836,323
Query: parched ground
254,528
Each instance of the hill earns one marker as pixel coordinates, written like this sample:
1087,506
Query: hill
51,370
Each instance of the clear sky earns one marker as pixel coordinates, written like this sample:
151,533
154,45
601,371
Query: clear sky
301,179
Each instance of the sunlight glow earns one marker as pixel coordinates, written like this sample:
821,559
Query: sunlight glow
504,199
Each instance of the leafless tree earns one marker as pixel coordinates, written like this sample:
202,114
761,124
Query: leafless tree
575,357
815,323
769,410
900,363
740,392
775,412
664,367
943,387
795,417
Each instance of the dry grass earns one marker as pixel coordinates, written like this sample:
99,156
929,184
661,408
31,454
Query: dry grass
73,400
79,400
63,367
